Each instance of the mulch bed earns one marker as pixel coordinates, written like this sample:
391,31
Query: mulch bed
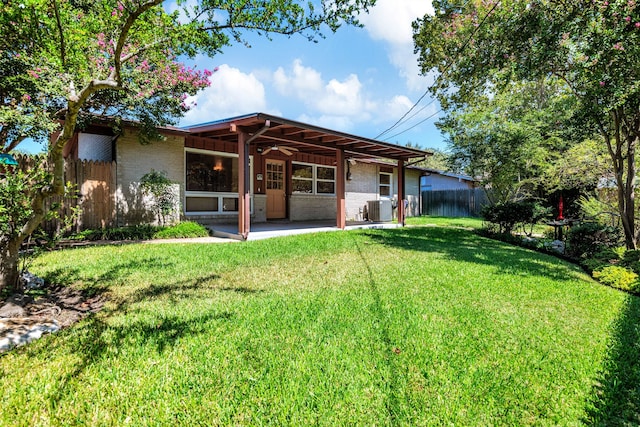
51,303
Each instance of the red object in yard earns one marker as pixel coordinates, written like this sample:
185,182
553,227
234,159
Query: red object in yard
560,209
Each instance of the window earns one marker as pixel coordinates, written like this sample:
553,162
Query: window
212,173
384,185
302,178
313,179
275,176
211,182
325,180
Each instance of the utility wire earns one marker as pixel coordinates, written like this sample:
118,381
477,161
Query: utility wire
446,68
417,124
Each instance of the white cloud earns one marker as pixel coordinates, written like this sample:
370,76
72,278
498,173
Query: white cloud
333,98
231,93
301,81
390,22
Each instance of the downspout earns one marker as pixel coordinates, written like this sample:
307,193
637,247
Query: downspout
267,125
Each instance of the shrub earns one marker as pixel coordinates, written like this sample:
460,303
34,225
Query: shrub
182,230
617,277
631,259
164,199
144,232
131,232
507,215
603,258
585,240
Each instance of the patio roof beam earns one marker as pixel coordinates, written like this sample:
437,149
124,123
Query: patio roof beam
351,148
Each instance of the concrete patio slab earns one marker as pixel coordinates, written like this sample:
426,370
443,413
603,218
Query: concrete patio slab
271,229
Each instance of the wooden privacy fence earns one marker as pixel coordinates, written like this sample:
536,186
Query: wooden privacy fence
94,186
454,203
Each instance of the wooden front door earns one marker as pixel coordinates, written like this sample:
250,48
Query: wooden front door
276,195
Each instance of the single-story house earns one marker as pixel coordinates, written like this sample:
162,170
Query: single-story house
259,167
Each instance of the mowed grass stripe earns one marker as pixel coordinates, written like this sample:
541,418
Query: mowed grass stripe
416,326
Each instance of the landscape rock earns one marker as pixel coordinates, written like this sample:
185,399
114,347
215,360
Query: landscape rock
20,331
14,306
31,281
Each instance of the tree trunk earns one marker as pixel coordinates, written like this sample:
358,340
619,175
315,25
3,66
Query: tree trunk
624,168
9,272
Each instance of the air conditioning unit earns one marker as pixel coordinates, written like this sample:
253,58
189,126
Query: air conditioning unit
379,210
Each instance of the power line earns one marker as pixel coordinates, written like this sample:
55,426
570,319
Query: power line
417,124
446,68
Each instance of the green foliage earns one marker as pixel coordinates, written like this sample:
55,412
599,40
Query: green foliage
17,187
594,209
164,200
602,257
585,240
617,277
15,205
581,166
131,232
184,229
483,49
143,232
439,160
510,138
507,215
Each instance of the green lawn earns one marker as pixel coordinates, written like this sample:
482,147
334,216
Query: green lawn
413,326
444,221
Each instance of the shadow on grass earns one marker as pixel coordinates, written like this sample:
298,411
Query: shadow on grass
69,275
464,246
95,341
378,313
615,399
174,291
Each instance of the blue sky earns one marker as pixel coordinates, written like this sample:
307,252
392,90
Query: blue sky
358,80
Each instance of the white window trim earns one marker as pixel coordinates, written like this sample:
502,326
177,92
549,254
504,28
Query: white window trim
219,195
314,179
390,185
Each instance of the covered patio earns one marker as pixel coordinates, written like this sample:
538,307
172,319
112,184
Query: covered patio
270,140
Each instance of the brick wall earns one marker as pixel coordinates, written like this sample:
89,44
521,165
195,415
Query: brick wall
304,207
133,161
362,187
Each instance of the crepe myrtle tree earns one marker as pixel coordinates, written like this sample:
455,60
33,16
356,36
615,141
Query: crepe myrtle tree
592,46
64,62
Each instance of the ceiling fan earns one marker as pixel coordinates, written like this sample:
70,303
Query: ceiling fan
284,150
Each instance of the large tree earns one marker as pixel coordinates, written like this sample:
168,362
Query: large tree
511,138
593,46
62,61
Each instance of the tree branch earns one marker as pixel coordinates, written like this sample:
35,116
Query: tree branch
124,34
63,48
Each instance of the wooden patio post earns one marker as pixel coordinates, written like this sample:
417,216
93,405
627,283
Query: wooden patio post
244,196
401,209
341,216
